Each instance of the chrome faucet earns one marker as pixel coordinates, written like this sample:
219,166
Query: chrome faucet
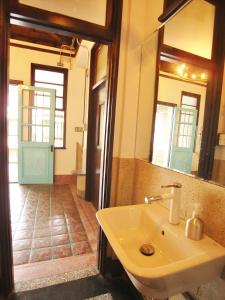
174,197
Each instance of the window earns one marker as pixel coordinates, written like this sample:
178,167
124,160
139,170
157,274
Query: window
191,101
54,78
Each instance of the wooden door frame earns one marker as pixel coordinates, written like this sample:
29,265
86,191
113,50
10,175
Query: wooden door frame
20,14
92,88
6,274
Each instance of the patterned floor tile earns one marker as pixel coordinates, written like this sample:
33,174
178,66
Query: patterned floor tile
60,240
42,232
43,242
41,254
61,251
23,234
58,222
58,230
19,245
78,237
21,257
46,224
80,248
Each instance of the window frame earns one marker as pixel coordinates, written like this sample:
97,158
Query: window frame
193,95
64,71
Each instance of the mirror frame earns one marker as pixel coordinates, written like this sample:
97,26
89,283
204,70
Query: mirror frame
215,66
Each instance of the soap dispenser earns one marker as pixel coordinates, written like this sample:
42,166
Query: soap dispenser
194,225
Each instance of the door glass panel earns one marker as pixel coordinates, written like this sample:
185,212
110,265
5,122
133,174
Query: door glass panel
59,128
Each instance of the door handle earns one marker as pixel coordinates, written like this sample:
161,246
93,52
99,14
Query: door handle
52,148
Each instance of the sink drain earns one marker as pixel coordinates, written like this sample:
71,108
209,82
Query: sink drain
147,249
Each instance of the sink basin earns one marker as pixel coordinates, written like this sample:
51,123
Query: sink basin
178,264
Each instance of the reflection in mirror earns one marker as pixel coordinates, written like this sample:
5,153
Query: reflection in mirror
191,29
179,115
186,93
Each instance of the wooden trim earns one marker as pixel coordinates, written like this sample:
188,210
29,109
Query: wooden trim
213,96
90,121
171,10
113,66
65,179
40,49
187,57
197,96
166,103
180,79
70,27
64,71
6,261
25,15
160,39
15,82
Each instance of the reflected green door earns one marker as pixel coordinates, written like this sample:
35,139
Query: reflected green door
36,135
183,140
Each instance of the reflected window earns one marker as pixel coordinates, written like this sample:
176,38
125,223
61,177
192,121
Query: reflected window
53,78
191,101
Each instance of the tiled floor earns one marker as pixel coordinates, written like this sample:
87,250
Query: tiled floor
48,223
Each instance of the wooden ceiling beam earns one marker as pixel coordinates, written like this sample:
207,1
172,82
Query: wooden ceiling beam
35,36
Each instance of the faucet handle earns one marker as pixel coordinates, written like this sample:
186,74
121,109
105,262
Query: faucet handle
175,185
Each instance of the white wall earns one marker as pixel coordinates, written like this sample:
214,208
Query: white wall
20,69
139,20
89,10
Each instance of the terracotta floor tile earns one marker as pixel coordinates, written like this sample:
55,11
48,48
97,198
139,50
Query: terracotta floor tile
43,242
78,237
42,232
61,251
41,254
21,257
23,234
25,226
58,230
60,240
58,222
76,227
45,224
58,219
81,248
19,245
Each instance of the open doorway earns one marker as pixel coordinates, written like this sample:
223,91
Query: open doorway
53,226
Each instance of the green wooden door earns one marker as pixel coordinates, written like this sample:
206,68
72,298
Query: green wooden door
183,140
36,135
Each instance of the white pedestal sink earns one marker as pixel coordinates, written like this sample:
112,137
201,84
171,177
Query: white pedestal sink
178,264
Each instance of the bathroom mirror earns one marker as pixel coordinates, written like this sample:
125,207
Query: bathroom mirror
180,106
181,94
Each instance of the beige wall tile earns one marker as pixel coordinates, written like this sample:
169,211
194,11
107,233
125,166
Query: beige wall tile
137,179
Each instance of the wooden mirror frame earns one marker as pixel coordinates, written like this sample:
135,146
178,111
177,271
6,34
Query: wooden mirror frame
15,13
215,65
